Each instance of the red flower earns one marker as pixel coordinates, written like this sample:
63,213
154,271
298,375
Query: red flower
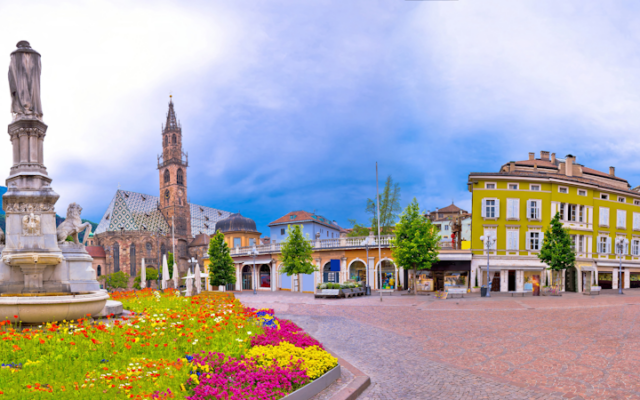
15,316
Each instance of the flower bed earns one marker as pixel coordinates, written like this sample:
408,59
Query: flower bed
171,347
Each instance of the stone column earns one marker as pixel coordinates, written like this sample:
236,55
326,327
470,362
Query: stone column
319,275
15,140
343,269
239,277
24,147
372,277
519,280
579,288
274,277
504,280
614,279
627,278
33,147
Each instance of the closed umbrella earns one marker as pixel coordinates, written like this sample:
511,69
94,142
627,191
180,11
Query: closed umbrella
176,278
143,276
165,272
198,279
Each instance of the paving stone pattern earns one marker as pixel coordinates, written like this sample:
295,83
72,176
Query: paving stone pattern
574,347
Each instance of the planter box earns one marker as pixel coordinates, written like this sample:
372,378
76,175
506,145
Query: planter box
346,291
313,388
475,290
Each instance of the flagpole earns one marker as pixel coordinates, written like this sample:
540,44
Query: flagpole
173,240
379,248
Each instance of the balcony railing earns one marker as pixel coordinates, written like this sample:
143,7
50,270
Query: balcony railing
348,242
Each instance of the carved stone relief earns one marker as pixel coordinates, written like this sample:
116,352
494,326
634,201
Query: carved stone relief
25,207
31,223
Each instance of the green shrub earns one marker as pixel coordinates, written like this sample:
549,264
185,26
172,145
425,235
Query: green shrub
117,280
152,275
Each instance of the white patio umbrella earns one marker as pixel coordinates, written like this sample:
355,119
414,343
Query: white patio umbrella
143,276
176,278
189,283
165,272
198,278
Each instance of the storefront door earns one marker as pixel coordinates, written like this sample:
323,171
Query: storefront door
605,280
571,279
512,281
634,280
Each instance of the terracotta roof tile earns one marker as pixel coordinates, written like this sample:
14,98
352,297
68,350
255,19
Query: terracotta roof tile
304,216
96,251
556,176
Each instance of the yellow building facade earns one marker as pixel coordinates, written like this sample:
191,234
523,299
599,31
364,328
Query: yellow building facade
516,204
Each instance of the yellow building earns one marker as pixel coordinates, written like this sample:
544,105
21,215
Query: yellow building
516,204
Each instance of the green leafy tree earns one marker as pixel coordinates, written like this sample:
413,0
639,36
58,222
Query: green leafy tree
152,275
170,263
117,280
296,253
221,268
389,208
415,244
556,250
358,230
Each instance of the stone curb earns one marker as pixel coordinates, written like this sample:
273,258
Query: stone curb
356,386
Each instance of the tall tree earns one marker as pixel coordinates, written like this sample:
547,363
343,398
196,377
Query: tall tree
170,263
556,250
389,208
358,230
221,268
296,253
415,244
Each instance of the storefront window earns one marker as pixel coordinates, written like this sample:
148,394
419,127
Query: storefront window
455,279
425,281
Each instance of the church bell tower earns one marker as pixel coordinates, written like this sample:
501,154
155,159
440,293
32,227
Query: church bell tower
172,165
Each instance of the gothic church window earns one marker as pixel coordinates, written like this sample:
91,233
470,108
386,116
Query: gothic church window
99,270
132,254
167,176
180,177
166,140
166,196
174,139
116,257
149,249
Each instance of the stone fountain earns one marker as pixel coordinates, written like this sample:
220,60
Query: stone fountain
43,277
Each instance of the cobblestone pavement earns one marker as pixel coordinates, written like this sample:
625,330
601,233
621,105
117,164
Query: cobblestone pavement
346,378
572,346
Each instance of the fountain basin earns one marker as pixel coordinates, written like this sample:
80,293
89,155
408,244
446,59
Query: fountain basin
39,309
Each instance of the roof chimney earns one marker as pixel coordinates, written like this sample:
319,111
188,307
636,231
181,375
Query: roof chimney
532,156
512,166
553,158
569,167
544,155
612,171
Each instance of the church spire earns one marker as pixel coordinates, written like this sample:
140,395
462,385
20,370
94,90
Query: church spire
172,122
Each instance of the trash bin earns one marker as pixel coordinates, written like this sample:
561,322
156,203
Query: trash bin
367,290
483,291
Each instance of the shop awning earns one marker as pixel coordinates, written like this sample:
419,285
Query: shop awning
259,261
508,267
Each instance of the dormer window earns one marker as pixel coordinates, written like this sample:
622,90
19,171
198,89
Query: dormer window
126,195
604,196
293,216
206,226
206,218
201,209
107,217
144,198
621,200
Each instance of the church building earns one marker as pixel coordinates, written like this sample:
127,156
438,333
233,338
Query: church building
137,225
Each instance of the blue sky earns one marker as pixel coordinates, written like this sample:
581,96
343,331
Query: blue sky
287,105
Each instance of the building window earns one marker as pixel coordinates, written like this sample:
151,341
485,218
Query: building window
99,270
582,192
635,247
513,208
534,240
180,177
327,233
636,221
513,240
237,242
621,219
636,202
252,242
604,244
166,140
534,209
563,189
446,227
489,185
621,200
491,233
149,248
167,176
604,216
513,186
580,243
282,231
116,257
573,242
490,209
132,260
174,140
604,196
535,187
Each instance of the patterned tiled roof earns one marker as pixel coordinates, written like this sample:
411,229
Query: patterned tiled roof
133,211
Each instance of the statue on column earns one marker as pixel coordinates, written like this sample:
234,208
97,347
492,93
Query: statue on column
24,83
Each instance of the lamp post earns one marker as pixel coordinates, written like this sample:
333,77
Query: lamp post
254,253
488,241
366,242
192,264
621,243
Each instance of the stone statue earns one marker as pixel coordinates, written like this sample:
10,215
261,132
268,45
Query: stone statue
24,83
73,225
31,223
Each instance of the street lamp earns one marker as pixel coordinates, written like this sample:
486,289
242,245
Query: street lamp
192,264
366,242
254,253
488,241
621,244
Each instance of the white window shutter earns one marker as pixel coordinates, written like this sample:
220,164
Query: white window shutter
516,208
609,244
539,208
508,237
528,208
514,240
636,221
541,240
483,212
528,241
606,216
509,211
497,208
